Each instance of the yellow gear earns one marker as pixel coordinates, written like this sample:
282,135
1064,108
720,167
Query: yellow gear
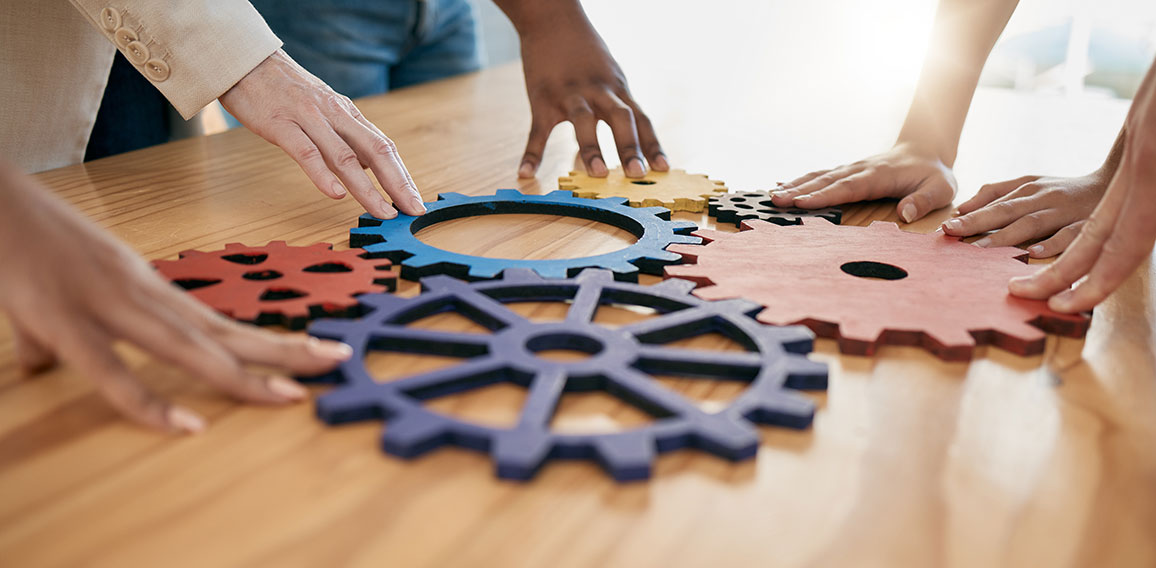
676,190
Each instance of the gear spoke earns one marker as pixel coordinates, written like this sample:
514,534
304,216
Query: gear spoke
644,392
457,378
404,339
701,363
585,303
542,398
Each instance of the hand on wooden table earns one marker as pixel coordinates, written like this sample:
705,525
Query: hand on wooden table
71,291
922,181
325,133
571,76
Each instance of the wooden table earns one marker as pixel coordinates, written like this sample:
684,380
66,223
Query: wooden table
1009,461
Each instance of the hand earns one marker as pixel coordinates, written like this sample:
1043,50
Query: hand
570,76
922,181
1031,207
324,133
1120,233
71,290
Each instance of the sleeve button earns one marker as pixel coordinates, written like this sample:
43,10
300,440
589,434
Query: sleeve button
123,37
136,52
156,70
109,19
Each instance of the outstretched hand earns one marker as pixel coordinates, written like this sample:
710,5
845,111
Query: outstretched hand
571,76
1120,234
75,307
921,180
325,133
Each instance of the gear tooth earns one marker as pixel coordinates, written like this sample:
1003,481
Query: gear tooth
627,269
412,434
805,374
689,272
419,260
883,226
560,194
485,272
684,226
783,408
351,403
520,275
674,285
627,456
738,306
664,256
519,454
725,436
710,235
452,197
510,194
759,225
663,211
595,275
793,338
616,201
687,240
440,282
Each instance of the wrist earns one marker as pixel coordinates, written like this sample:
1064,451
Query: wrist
536,18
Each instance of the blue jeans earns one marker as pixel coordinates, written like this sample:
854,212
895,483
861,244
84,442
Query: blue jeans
366,47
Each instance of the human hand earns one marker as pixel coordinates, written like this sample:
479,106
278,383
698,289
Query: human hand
922,180
1031,207
571,76
325,133
72,303
1119,235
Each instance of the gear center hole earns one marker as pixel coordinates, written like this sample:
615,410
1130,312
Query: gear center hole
642,182
526,236
874,270
564,347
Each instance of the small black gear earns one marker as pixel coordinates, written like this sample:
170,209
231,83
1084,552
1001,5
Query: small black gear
738,207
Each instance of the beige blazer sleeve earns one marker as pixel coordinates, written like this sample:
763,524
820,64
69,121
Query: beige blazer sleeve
192,50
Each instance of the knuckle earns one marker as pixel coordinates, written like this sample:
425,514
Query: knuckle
347,158
383,146
305,153
622,113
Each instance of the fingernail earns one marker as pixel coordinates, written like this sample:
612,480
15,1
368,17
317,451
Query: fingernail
335,350
907,213
417,203
526,170
634,168
952,225
184,420
338,190
782,194
286,388
983,243
598,167
1036,250
660,163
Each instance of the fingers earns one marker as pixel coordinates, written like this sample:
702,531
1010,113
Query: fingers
156,328
1031,226
89,348
580,114
297,354
376,150
32,356
303,151
1058,242
620,117
803,179
649,140
1118,259
855,187
993,191
343,161
1073,264
540,129
786,196
1003,214
934,192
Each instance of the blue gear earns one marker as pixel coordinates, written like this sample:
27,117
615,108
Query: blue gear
622,359
395,238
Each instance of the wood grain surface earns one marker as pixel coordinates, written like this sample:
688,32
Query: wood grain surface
1047,460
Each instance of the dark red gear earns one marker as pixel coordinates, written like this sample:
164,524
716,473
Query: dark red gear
277,283
876,285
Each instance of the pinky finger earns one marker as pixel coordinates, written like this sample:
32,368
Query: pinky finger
1056,243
